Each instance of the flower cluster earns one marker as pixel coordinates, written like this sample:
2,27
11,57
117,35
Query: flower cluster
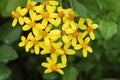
53,31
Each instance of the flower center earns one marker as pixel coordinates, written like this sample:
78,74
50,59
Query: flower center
71,17
29,7
54,67
75,34
44,33
32,24
89,29
63,33
64,52
16,14
61,14
52,50
45,14
35,42
26,41
84,45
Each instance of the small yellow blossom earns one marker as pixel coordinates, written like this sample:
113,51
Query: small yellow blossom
55,34
30,5
46,4
89,29
25,42
53,49
66,51
18,16
84,45
31,23
44,34
69,20
52,65
34,42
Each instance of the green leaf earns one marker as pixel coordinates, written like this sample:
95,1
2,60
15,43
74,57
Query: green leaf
70,73
9,5
109,4
7,53
108,29
94,9
50,76
79,8
4,72
10,34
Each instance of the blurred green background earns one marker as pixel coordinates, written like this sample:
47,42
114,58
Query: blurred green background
103,64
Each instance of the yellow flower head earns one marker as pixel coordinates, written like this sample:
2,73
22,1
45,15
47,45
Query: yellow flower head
52,65
84,46
17,15
89,28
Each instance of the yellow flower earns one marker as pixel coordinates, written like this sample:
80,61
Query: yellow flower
89,30
75,37
84,45
30,5
52,65
25,42
61,14
55,34
17,15
34,42
31,23
46,4
69,20
44,34
66,51
53,49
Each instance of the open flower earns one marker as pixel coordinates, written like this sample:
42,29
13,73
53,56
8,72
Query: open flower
53,49
84,46
69,20
66,51
18,16
31,23
89,29
46,4
30,5
52,65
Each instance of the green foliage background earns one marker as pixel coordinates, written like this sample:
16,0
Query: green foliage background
103,64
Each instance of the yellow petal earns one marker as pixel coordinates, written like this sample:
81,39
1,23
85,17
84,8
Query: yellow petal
53,3
84,53
26,27
92,36
23,38
48,28
37,49
55,32
64,59
23,11
89,49
94,26
48,71
74,41
89,21
21,21
27,20
70,52
45,65
73,25
14,22
54,57
21,44
87,40
60,71
65,39
28,46
39,8
61,65
77,47
35,31
47,41
45,51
